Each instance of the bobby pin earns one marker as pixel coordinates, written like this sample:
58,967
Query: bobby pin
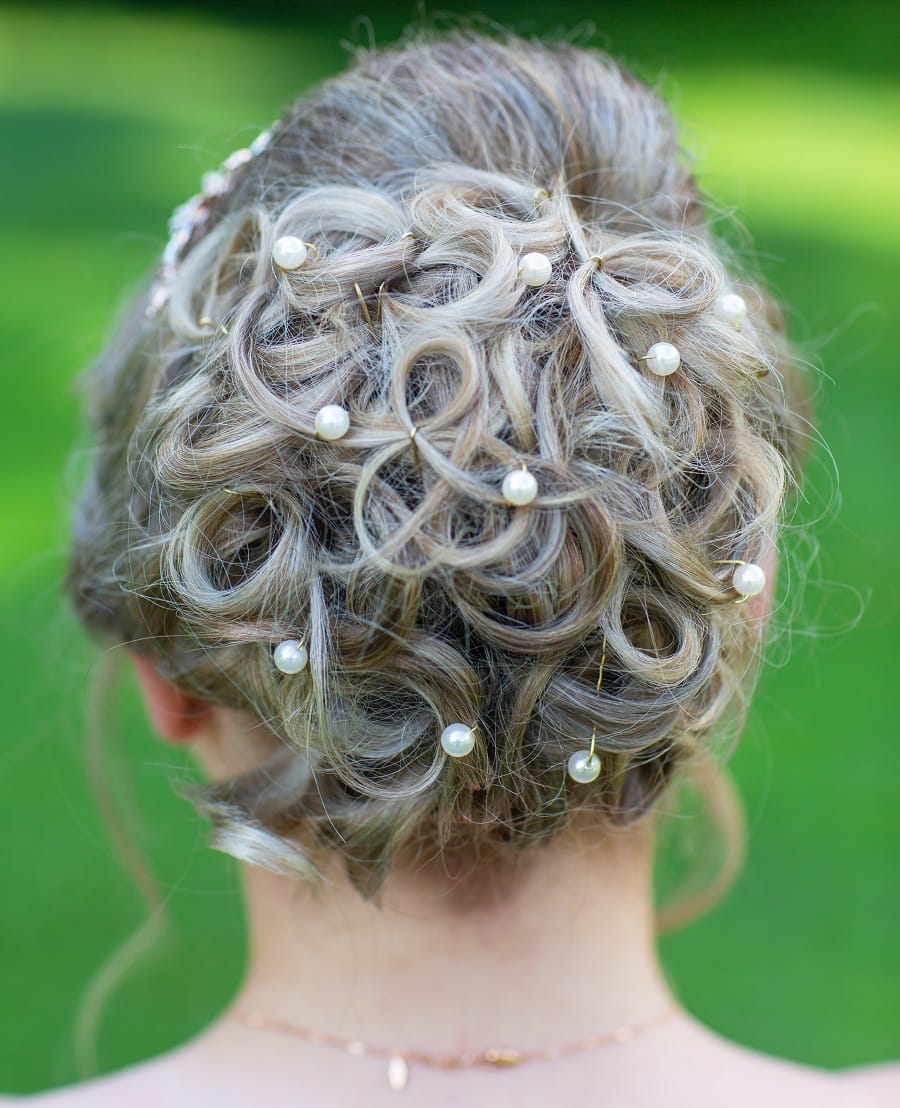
364,306
584,766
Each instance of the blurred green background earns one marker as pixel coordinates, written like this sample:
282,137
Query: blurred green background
108,117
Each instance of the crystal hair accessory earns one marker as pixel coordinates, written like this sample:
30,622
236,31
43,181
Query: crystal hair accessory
584,766
193,216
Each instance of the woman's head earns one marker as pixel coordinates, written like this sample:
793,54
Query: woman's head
216,523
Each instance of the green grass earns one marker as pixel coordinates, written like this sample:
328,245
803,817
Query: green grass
107,120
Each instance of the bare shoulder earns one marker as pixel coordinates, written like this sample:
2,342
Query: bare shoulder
189,1074
751,1078
879,1082
211,1068
132,1087
145,1085
802,1085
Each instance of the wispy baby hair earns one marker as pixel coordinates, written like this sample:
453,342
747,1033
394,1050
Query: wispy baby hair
217,522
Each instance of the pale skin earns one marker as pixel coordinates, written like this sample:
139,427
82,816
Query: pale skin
555,951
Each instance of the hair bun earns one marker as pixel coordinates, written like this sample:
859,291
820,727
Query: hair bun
480,293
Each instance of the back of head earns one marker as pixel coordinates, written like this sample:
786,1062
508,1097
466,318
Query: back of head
218,521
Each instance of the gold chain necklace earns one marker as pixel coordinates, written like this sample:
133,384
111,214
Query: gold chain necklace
399,1060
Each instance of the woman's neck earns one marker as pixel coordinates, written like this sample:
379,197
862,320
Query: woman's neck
556,950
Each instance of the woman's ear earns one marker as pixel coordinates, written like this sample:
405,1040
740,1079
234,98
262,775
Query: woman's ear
175,714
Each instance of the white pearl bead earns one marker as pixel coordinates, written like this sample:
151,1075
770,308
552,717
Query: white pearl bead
731,307
289,252
290,656
749,580
458,739
536,269
662,359
519,486
332,421
583,769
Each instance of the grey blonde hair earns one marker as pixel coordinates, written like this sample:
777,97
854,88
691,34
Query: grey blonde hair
214,523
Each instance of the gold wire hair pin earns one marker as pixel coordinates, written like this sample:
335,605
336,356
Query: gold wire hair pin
364,306
407,235
584,766
205,321
540,195
748,578
417,461
597,260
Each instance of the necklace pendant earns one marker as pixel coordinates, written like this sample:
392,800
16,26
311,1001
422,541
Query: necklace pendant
397,1073
502,1056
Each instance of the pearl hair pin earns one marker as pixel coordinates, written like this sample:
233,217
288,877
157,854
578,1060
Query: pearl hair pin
748,578
584,766
290,656
332,422
519,486
662,359
458,739
289,252
535,269
732,308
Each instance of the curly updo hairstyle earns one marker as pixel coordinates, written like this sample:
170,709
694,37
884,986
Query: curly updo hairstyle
215,523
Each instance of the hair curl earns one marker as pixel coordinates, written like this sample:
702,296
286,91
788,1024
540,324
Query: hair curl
214,523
